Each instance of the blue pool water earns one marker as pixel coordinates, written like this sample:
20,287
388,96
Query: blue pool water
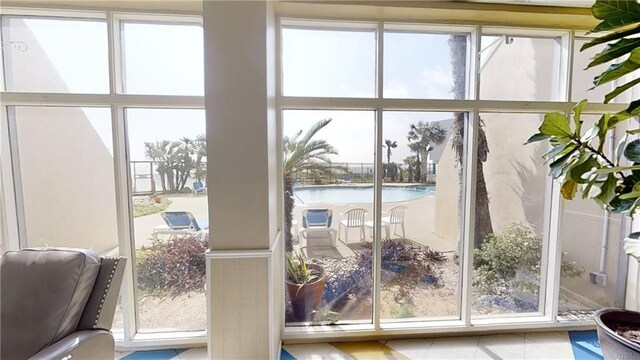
358,194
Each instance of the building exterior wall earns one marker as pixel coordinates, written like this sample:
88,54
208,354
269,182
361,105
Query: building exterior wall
516,176
66,169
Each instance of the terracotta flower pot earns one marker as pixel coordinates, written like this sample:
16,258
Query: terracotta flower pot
613,345
306,297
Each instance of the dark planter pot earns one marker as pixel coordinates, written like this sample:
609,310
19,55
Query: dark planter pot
308,297
613,345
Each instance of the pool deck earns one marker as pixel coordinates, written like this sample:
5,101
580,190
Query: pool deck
419,225
419,222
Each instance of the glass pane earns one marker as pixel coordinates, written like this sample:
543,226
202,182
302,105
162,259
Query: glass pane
582,80
55,55
419,65
421,215
519,68
163,59
76,170
329,212
334,63
170,216
589,278
510,228
589,282
67,177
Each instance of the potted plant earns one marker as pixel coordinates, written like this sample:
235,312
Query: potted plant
305,285
578,161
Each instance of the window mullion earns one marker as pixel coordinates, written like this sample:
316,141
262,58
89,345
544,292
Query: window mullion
377,197
125,231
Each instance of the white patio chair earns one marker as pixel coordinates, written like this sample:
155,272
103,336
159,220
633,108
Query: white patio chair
396,217
352,218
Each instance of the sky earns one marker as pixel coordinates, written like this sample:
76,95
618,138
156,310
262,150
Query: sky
343,63
168,59
160,59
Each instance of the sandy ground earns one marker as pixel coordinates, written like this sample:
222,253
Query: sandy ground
419,227
188,312
143,225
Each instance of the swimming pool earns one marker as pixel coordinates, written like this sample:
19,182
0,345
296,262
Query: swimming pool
358,194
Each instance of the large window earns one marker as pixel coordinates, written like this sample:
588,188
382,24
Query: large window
452,220
104,170
405,178
56,55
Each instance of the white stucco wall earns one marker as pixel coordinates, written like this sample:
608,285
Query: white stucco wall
516,176
66,169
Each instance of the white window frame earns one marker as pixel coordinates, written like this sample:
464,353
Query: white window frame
550,265
117,102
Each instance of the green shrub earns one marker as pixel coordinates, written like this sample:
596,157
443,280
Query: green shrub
176,266
142,208
510,261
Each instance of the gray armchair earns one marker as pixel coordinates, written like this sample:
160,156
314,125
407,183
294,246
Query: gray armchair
58,303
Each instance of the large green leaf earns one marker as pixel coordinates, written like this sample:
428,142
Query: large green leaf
632,151
590,134
580,169
622,144
608,189
617,71
536,137
614,51
632,245
620,89
568,189
618,205
558,167
577,111
610,37
603,126
558,150
615,13
555,124
630,195
609,170
593,190
633,109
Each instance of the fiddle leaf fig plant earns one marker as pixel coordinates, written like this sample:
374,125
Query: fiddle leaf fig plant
577,158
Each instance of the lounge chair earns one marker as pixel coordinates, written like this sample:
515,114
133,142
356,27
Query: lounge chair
199,188
179,223
352,218
316,223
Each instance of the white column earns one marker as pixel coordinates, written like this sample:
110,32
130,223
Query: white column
244,263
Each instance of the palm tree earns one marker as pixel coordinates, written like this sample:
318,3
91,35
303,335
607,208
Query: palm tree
410,161
390,145
426,135
303,153
200,168
163,154
183,162
483,227
416,148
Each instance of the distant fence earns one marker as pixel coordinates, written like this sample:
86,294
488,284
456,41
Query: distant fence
146,180
356,172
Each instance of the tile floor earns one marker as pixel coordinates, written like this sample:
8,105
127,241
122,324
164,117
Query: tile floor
578,345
